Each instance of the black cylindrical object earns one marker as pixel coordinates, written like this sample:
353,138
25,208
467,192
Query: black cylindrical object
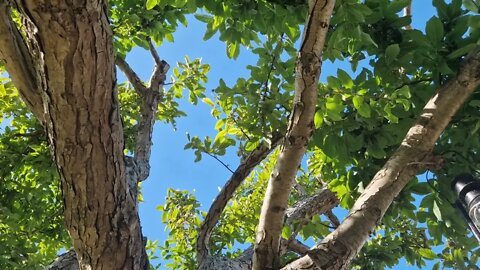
467,188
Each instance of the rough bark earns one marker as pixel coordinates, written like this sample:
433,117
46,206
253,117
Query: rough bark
72,63
338,249
243,170
19,62
299,131
66,261
317,204
321,202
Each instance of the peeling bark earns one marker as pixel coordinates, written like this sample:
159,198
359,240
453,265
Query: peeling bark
299,132
72,63
244,169
338,249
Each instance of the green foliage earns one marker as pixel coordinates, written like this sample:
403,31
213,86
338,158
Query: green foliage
181,216
239,219
31,216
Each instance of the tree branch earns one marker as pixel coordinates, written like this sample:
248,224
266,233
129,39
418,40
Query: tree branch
333,219
150,100
338,249
19,63
294,245
132,77
237,178
150,97
220,161
320,203
299,132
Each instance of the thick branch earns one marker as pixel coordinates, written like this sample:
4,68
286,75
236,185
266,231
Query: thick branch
299,132
338,249
148,110
239,175
320,203
132,77
66,261
150,97
19,63
294,245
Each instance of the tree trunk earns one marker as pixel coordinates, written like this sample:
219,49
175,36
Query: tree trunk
70,45
300,130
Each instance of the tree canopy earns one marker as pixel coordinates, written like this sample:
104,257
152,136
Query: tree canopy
382,139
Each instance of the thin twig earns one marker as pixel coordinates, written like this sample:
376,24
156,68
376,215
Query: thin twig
333,218
413,82
241,130
161,67
221,162
263,94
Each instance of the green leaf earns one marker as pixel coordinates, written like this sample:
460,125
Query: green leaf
334,82
462,51
204,18
220,138
318,119
208,101
472,5
151,4
357,101
435,30
251,145
391,52
458,256
421,188
286,232
442,8
365,110
345,79
397,6
436,211
233,50
427,253
404,91
169,37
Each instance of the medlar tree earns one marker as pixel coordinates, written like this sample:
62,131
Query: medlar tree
76,144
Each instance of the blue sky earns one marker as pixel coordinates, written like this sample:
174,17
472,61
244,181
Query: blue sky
172,166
